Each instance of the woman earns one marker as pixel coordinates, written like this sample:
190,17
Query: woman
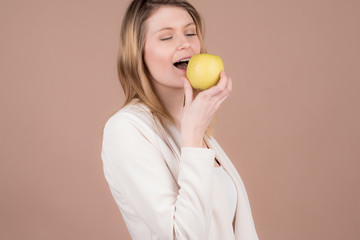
168,176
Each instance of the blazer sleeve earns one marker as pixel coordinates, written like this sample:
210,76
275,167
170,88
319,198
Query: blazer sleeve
135,168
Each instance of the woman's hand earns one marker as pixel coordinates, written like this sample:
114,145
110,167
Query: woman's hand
198,112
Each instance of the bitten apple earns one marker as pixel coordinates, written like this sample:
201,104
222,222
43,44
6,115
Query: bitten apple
203,70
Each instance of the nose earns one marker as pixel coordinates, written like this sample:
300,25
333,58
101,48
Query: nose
183,42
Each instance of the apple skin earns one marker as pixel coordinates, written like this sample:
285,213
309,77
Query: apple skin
203,70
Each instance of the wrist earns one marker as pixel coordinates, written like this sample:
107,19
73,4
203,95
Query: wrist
192,140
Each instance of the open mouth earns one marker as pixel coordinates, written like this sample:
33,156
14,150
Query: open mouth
182,64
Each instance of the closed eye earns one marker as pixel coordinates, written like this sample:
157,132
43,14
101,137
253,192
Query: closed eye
188,35
164,39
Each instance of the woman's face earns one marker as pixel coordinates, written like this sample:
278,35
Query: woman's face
170,37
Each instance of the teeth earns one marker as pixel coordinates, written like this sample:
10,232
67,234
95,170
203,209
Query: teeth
184,60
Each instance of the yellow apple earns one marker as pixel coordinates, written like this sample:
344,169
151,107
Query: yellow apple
203,70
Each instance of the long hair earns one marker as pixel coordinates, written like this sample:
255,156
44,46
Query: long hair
133,73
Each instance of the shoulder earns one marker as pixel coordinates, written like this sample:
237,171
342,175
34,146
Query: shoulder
134,117
134,112
128,130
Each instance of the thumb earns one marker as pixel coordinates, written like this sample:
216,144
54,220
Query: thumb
188,91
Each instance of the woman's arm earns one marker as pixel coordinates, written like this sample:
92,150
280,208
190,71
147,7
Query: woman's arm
135,168
198,112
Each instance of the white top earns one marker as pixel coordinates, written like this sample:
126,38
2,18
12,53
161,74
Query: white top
166,191
229,188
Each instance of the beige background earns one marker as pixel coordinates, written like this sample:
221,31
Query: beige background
291,126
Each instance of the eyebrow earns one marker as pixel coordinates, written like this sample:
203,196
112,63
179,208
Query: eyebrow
169,28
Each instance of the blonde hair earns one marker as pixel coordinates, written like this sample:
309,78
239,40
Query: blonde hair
133,73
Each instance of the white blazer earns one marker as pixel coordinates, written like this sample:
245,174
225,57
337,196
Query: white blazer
165,191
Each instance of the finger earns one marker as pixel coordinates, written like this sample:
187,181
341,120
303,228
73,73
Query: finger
220,98
227,90
229,86
188,91
220,101
219,87
222,85
224,94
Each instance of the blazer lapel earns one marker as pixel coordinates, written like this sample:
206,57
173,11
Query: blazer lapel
243,224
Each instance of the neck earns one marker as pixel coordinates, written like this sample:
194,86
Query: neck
173,100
